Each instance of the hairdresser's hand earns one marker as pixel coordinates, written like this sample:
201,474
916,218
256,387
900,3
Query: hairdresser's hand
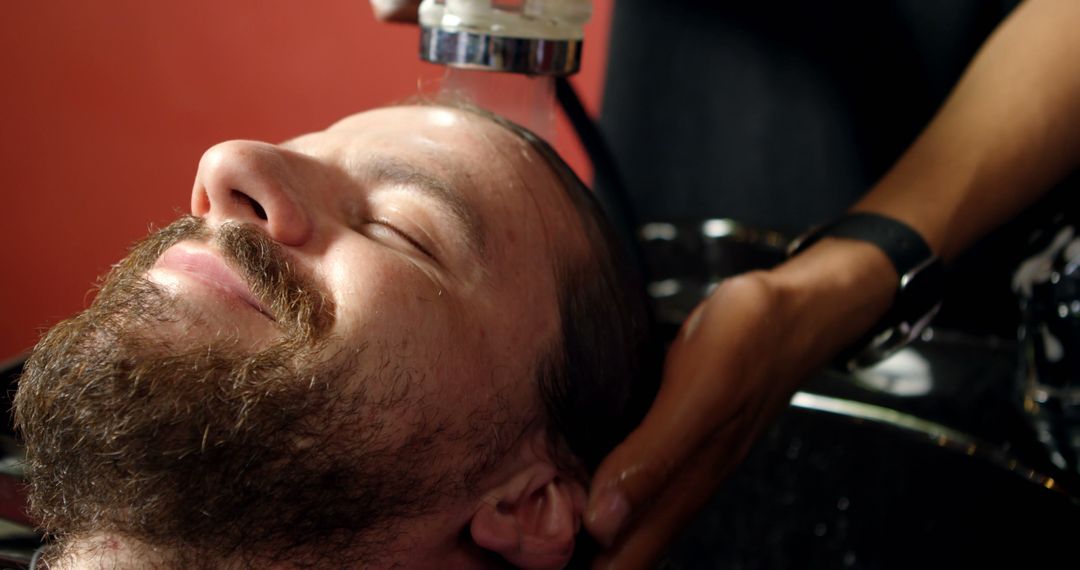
395,10
731,371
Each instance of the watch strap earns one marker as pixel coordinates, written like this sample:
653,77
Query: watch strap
904,247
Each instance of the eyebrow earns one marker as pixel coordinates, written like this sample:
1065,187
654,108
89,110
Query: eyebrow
406,174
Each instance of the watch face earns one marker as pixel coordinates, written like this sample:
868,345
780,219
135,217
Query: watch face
894,338
918,300
920,292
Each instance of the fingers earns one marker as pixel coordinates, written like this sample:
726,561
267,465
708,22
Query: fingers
646,540
396,10
625,483
688,488
703,418
632,475
684,412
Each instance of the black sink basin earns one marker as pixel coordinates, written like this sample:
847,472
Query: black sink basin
857,476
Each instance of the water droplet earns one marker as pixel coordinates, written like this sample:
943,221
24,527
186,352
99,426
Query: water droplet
843,503
820,529
849,559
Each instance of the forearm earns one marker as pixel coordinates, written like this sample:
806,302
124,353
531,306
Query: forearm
1007,133
1010,130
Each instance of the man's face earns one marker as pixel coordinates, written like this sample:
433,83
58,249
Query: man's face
411,256
432,232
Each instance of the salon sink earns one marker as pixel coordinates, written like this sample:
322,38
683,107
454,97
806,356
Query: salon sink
929,464
924,461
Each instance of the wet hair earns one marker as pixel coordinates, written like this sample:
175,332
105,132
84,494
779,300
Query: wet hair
600,377
600,374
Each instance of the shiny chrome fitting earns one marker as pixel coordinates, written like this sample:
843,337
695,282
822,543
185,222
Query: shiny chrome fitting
471,50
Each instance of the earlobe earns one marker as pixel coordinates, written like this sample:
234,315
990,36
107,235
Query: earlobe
531,519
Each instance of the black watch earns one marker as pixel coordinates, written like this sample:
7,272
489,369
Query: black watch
918,295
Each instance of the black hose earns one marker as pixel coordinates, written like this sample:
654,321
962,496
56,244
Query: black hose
612,193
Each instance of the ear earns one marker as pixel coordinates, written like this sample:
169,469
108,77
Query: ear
531,518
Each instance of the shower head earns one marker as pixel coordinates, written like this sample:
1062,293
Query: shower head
530,37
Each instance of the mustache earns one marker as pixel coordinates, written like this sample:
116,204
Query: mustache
298,304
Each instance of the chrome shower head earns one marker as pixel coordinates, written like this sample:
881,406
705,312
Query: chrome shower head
530,37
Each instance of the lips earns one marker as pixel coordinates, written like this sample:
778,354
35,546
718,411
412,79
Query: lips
208,267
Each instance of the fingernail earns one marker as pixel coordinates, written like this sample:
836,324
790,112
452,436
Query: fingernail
609,516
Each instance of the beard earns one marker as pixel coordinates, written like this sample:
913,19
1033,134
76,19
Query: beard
196,447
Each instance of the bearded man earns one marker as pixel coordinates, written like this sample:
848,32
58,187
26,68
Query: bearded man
403,341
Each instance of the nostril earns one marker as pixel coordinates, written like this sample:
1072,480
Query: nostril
255,205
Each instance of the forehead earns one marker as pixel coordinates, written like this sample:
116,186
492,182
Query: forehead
460,144
475,154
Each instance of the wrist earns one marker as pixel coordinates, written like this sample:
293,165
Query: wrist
836,290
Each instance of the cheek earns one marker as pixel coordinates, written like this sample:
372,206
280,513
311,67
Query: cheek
393,307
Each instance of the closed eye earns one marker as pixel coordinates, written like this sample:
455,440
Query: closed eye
384,223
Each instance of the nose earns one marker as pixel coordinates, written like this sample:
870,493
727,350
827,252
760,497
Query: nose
249,182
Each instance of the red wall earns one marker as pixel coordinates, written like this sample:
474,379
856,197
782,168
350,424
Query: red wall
106,107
